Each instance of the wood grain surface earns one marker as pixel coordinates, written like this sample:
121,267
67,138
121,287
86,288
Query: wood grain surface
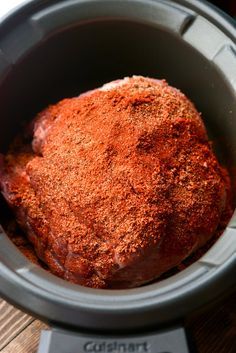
12,322
214,331
27,341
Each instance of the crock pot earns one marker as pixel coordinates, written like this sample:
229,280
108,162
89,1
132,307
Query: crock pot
55,49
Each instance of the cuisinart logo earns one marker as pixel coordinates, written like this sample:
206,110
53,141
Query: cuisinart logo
116,347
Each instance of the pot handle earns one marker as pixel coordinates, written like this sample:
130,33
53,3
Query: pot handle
173,340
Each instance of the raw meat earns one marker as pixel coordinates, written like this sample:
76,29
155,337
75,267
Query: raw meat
118,186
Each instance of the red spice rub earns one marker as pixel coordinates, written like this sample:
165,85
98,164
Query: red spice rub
122,184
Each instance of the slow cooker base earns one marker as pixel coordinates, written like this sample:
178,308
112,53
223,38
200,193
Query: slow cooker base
61,341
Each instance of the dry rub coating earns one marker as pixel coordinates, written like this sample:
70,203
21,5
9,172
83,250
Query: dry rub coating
119,184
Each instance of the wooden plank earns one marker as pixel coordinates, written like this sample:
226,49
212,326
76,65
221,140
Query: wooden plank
215,330
27,341
12,322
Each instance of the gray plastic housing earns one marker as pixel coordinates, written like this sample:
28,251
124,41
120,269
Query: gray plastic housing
59,341
53,49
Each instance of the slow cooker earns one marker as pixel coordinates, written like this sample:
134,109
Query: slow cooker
54,49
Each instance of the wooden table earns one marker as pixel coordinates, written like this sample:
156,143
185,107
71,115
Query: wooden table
214,331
